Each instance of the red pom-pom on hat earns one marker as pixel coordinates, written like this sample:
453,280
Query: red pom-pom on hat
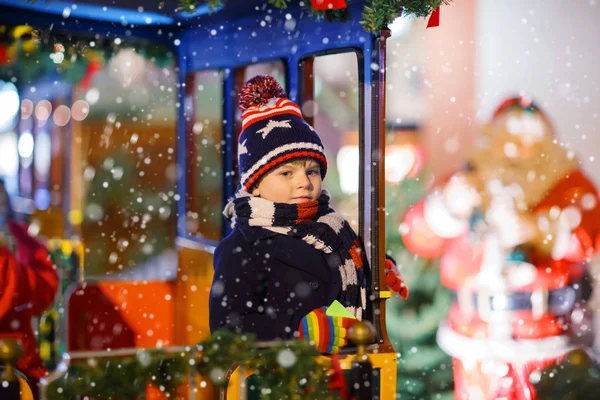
258,91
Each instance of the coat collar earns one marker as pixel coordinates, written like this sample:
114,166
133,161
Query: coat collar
254,233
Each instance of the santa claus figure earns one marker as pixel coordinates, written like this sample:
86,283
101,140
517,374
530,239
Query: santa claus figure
28,283
515,230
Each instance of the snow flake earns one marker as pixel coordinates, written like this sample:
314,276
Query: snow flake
286,358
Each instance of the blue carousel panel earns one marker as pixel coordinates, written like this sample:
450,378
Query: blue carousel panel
156,13
239,32
130,11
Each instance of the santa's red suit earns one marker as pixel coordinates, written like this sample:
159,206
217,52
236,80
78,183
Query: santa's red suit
28,283
498,338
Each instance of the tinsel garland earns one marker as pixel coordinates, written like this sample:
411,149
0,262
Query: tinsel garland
376,13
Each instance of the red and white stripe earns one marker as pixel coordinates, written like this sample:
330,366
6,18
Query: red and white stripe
271,109
275,152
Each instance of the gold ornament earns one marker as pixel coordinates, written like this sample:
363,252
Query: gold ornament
22,30
361,334
10,352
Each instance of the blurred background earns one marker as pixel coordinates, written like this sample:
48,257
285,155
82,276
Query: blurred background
88,143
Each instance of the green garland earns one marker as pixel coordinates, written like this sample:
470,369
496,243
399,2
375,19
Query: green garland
27,54
381,12
122,378
375,16
221,351
288,370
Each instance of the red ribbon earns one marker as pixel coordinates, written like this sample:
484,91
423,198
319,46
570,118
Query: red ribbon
338,380
328,4
92,69
434,18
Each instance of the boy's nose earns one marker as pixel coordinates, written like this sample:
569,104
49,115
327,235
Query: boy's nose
303,180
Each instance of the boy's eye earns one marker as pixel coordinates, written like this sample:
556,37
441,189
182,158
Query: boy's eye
313,172
285,173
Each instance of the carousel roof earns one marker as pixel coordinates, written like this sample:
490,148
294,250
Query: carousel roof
136,12
129,12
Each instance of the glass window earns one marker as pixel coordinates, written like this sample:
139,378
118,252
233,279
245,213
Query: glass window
204,158
25,147
41,167
9,155
406,81
58,140
274,68
123,147
333,109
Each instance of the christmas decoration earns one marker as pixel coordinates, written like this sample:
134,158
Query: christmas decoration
434,19
517,236
382,12
67,257
376,15
286,370
290,370
123,378
92,69
221,351
322,5
29,278
421,240
27,54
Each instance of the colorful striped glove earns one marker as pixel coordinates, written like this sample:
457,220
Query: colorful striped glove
393,278
329,334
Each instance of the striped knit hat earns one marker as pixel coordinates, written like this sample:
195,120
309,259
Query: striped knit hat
273,132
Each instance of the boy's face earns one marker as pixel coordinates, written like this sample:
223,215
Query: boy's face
294,182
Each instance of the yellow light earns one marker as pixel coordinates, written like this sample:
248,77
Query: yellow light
75,217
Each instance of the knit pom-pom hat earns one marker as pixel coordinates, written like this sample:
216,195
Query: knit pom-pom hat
273,132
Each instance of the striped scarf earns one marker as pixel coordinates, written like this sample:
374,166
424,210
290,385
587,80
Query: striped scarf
318,225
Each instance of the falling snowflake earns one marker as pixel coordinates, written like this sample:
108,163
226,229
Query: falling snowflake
286,358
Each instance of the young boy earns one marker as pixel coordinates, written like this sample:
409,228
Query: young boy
289,255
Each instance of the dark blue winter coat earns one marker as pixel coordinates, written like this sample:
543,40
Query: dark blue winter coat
265,283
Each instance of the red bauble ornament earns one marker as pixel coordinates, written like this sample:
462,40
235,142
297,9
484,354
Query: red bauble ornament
323,5
418,237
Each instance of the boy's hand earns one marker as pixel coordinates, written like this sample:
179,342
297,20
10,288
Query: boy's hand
394,280
329,334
